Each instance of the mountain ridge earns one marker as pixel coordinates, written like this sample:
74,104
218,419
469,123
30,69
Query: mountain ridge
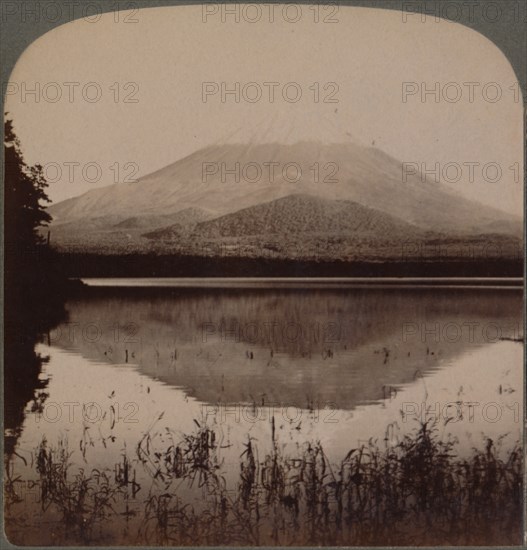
228,179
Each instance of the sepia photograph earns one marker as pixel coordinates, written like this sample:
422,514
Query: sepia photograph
263,273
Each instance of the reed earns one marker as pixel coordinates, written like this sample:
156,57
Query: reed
415,491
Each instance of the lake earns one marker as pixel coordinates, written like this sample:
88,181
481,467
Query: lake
135,367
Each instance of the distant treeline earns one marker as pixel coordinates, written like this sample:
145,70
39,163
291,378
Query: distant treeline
152,265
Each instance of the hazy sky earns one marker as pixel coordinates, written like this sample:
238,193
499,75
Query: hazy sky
169,53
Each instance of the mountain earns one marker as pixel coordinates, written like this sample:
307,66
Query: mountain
185,220
235,191
305,214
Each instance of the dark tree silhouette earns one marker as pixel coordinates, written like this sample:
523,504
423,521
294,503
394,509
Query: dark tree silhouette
34,291
29,272
24,196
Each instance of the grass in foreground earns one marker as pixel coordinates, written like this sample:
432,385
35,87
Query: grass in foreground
414,492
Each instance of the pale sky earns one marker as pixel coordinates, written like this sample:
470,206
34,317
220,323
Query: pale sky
170,52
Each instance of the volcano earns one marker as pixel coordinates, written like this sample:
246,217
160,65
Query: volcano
338,195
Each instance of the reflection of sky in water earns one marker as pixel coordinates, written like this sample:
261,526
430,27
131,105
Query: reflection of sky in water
475,380
356,385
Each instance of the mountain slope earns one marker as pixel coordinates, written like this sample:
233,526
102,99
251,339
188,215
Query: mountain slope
305,214
327,200
261,172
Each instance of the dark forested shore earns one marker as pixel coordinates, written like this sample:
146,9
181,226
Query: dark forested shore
76,265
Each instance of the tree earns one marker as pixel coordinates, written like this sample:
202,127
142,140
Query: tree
24,195
33,286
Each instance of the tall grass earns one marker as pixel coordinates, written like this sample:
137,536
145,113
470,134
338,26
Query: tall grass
83,499
415,491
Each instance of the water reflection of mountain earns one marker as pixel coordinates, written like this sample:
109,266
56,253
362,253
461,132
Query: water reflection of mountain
289,347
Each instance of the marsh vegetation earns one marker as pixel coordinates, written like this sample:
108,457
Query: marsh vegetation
418,490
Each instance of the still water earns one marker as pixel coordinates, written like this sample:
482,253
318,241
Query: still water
339,366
